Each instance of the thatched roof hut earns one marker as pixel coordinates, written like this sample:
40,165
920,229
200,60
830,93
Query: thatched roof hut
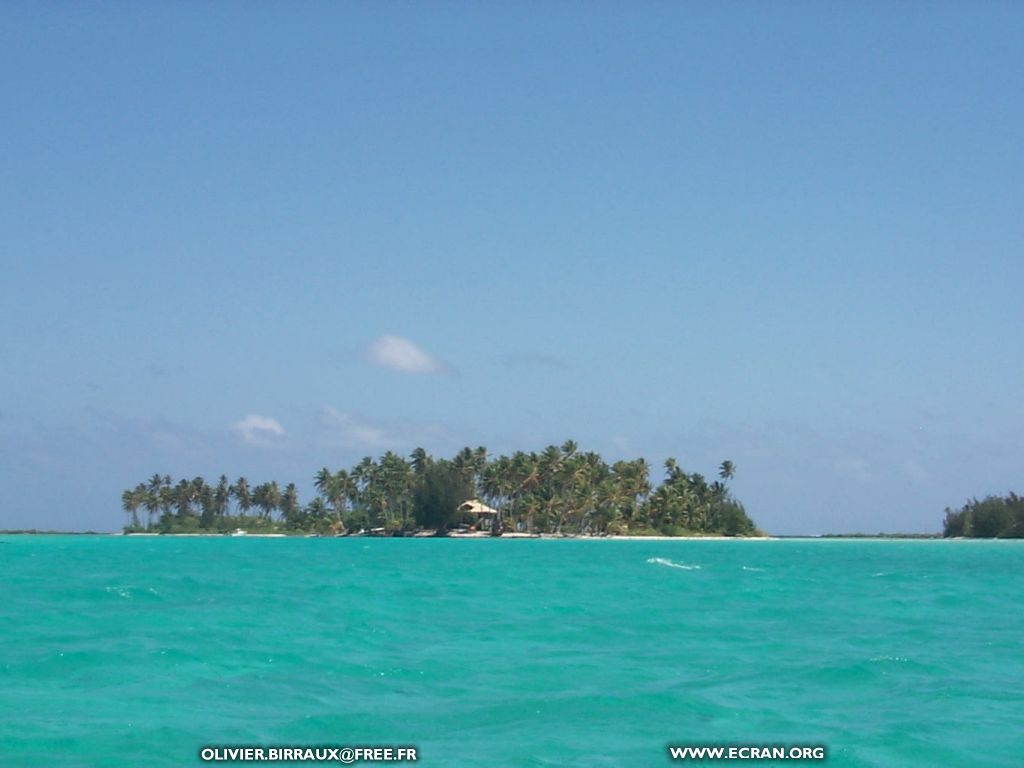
478,508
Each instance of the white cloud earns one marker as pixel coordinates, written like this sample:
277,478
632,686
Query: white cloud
258,430
355,433
400,354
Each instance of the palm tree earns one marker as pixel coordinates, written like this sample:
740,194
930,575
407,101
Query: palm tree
718,491
131,500
395,478
701,493
633,481
243,496
152,501
493,482
550,468
580,473
345,493
672,468
465,463
167,496
289,505
419,460
259,499
273,496
221,496
316,512
323,480
609,499
204,495
361,475
726,470
182,496
267,497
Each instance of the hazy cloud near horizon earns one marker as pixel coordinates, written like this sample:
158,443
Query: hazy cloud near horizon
400,354
350,432
259,430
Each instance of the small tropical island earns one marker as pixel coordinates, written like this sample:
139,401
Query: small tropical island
994,517
560,491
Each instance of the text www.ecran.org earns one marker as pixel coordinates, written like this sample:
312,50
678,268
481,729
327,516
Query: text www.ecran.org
745,752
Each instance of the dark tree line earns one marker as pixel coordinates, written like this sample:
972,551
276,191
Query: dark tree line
994,517
560,490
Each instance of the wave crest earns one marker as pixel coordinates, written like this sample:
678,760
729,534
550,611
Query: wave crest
672,564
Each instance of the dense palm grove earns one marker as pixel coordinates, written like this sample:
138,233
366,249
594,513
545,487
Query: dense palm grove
560,490
994,517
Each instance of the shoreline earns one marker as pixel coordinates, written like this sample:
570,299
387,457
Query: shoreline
517,536
541,537
420,535
430,535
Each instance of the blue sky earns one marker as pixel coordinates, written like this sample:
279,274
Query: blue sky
262,238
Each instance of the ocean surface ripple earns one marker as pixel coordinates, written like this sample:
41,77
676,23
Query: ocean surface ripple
138,651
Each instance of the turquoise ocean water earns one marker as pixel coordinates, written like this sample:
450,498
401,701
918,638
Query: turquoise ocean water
138,651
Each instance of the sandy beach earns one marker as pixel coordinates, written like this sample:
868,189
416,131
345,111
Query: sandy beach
472,535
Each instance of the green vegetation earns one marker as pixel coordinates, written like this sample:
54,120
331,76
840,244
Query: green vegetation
994,517
560,490
442,487
36,532
876,536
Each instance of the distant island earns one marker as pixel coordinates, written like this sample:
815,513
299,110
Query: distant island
994,517
879,535
558,491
